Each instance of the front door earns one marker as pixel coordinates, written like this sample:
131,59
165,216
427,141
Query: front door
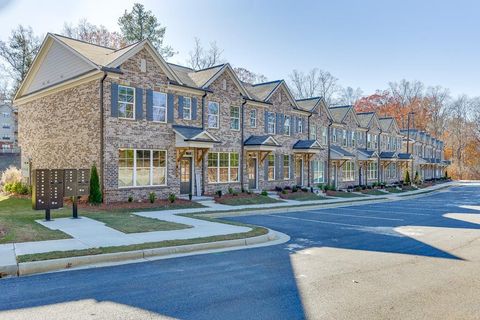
186,176
252,173
299,171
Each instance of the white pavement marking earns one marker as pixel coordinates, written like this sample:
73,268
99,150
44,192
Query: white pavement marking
317,221
382,211
356,216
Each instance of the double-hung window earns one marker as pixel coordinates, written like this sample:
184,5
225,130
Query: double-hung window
213,114
324,136
369,141
334,135
187,108
223,167
271,122
375,141
348,171
354,136
318,171
253,118
286,125
299,125
271,167
313,132
138,168
126,102
344,138
159,107
286,167
372,171
234,118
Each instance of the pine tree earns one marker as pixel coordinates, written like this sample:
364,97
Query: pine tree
417,178
95,196
407,178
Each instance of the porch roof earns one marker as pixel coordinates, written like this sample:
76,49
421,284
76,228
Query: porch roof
365,154
388,155
195,137
337,153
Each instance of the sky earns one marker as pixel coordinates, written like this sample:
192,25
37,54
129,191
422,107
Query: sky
364,43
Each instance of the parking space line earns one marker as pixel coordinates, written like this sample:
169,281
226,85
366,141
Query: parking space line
357,216
389,212
317,221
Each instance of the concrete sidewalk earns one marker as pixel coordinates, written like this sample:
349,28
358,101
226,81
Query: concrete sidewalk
88,233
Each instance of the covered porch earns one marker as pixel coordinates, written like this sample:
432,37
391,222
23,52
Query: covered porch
257,149
304,151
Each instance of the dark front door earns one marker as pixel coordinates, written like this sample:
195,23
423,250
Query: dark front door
252,173
299,171
186,176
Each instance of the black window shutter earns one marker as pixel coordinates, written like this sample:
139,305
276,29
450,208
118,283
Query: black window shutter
149,104
280,167
180,107
266,122
266,168
293,124
114,99
194,108
170,99
138,103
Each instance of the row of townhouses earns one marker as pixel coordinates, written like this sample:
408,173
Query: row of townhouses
152,126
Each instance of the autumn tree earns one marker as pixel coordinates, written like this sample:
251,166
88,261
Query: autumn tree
140,24
91,33
18,52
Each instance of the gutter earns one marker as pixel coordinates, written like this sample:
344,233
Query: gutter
378,159
203,128
330,122
242,136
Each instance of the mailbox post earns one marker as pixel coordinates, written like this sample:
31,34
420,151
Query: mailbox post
47,190
77,183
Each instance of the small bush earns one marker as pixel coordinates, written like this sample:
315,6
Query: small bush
11,175
130,199
287,188
190,196
278,189
152,197
264,193
284,192
17,188
305,189
219,193
172,197
235,193
95,195
407,178
294,189
230,190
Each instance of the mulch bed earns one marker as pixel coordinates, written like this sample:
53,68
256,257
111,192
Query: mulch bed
291,194
224,198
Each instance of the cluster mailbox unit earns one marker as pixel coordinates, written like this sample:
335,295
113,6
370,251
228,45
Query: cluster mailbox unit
50,186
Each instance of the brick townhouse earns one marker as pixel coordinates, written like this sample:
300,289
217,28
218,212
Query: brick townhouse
153,126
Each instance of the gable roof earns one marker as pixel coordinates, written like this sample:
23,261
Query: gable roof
261,141
96,57
339,113
365,118
261,91
385,123
307,144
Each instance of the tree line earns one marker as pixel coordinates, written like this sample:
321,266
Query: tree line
455,120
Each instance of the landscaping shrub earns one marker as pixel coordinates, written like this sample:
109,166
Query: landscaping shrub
264,193
287,188
219,193
284,192
95,196
130,199
294,189
416,180
446,175
230,190
407,178
172,197
152,197
305,189
190,196
11,175
278,189
17,188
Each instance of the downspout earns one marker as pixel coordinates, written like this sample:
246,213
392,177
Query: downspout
310,138
366,166
102,135
203,128
330,122
242,132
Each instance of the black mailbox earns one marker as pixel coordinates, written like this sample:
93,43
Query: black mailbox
70,182
83,186
41,189
56,188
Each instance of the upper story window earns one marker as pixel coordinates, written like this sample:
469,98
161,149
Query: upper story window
344,138
324,136
159,107
271,122
213,114
126,102
354,136
253,118
299,125
286,125
389,142
313,132
234,118
6,114
187,108
369,141
334,135
375,141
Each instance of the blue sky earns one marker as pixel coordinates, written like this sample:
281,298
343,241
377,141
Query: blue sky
365,43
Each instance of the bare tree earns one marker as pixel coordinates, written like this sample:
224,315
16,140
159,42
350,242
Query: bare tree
91,33
436,100
349,96
200,58
249,76
316,82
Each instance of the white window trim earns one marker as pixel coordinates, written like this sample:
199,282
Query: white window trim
151,169
285,117
289,167
313,132
370,175
350,172
216,115
166,107
189,109
299,125
274,168
134,101
274,123
229,167
254,111
234,118
320,172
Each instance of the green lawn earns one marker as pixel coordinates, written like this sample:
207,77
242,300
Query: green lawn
240,201
17,221
256,231
304,196
339,194
374,192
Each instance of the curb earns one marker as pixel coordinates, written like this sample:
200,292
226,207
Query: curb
28,268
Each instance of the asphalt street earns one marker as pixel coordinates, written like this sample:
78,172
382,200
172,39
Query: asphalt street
415,258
